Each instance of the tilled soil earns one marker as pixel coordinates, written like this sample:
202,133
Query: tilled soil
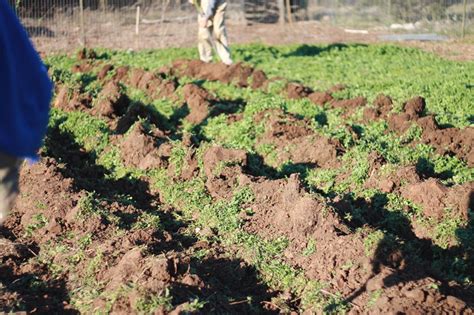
78,235
150,261
295,141
282,207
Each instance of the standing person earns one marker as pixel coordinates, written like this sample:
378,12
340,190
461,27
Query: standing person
212,31
25,93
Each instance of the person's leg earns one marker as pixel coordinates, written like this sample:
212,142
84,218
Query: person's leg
205,43
9,172
220,35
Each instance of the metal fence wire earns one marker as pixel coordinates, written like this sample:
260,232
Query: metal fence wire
68,24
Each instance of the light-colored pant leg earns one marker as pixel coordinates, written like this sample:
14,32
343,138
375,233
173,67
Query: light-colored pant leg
205,44
9,173
220,35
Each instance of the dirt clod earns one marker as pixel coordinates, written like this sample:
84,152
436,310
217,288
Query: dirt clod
141,149
297,91
112,102
238,73
104,71
198,101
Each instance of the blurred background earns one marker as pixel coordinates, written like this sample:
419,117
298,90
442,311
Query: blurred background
61,25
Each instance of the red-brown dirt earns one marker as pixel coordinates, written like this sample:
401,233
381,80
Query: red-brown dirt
155,85
297,91
320,98
349,105
104,71
148,260
239,74
382,106
112,101
144,150
322,244
82,67
447,141
434,198
451,141
199,103
329,236
294,141
412,111
221,167
70,99
86,53
121,73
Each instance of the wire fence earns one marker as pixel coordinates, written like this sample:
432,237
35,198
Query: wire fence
68,24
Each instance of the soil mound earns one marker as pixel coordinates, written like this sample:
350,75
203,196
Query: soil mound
98,240
82,67
112,101
51,197
415,107
446,141
104,71
389,180
318,241
297,91
199,102
350,104
239,74
221,167
70,99
382,106
295,142
412,111
434,198
121,73
155,85
392,182
320,98
450,141
259,79
323,245
135,112
38,216
145,150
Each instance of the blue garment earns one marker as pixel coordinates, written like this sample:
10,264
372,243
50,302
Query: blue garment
25,89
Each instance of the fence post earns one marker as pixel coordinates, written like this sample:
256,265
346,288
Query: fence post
137,27
137,22
464,15
83,32
288,12
281,11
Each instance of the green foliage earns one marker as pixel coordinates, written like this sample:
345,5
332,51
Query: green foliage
367,71
150,303
371,242
38,221
374,296
310,248
393,70
87,130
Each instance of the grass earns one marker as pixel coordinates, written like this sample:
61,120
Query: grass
367,71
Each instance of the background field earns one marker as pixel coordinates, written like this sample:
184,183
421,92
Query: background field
169,188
